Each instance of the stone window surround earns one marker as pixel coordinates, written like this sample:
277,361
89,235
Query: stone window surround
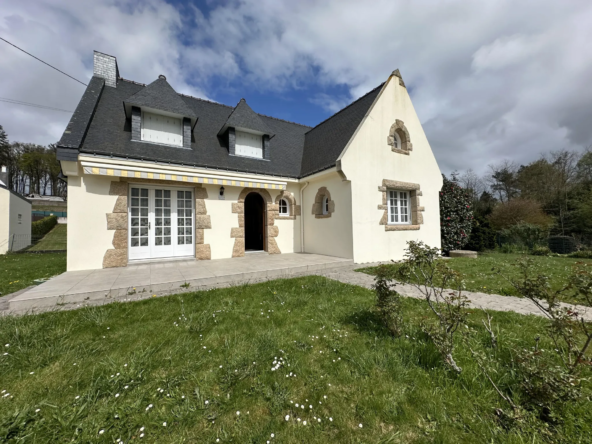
118,221
416,209
401,130
317,206
293,209
238,233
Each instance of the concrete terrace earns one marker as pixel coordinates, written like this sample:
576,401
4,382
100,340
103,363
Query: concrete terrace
160,278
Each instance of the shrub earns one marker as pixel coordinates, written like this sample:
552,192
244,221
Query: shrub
528,235
582,254
432,278
540,251
43,226
518,211
482,235
388,301
456,216
549,381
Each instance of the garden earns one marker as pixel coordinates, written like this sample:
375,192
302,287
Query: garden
298,360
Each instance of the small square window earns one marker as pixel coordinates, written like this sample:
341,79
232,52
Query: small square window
284,207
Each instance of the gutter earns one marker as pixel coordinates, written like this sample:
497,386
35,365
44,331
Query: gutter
302,217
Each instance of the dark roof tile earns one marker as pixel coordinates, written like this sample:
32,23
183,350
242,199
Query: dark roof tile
160,95
244,117
79,122
325,142
99,126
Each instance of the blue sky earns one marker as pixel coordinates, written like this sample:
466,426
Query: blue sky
490,80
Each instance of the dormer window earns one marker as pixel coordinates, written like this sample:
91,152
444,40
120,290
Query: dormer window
249,145
162,129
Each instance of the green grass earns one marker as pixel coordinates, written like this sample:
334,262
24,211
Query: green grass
19,270
56,239
479,276
200,358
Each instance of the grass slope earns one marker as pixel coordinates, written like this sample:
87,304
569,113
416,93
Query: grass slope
56,239
18,271
480,277
199,367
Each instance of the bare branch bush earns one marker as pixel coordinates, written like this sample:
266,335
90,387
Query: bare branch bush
388,301
441,288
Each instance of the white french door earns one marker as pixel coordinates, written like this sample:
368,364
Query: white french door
160,222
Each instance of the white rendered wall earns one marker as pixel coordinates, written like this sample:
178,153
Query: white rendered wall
4,219
223,220
21,228
88,204
330,236
288,239
369,159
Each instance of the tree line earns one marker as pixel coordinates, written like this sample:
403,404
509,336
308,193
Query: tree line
31,168
553,193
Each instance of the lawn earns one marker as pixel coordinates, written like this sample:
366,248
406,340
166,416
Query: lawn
19,270
54,240
288,361
479,276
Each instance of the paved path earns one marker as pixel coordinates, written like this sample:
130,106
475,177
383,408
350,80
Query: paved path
345,274
478,300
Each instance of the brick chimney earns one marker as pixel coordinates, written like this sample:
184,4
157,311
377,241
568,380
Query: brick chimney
105,66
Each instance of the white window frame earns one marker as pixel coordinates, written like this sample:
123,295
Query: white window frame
325,205
397,141
287,207
399,207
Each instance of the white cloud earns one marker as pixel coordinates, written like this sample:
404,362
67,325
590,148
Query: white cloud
489,79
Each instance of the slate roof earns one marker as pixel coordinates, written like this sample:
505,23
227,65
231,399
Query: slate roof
99,126
324,143
244,117
77,127
160,95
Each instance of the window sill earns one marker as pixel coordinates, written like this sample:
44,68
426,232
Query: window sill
181,147
400,151
249,157
285,217
401,227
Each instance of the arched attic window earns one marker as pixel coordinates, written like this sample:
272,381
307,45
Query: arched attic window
399,139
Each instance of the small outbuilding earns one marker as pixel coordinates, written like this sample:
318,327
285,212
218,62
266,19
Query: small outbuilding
15,218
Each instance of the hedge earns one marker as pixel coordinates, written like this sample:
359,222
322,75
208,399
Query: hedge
43,226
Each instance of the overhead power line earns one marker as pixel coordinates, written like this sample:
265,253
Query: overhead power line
34,105
37,58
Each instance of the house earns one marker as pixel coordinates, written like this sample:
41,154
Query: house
15,217
154,174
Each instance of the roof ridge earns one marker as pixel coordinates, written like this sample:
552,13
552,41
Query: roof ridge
206,100
227,106
346,107
284,120
131,81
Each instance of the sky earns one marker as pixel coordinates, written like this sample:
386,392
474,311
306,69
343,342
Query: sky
489,79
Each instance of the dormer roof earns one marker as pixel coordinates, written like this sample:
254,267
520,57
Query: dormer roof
243,117
160,96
